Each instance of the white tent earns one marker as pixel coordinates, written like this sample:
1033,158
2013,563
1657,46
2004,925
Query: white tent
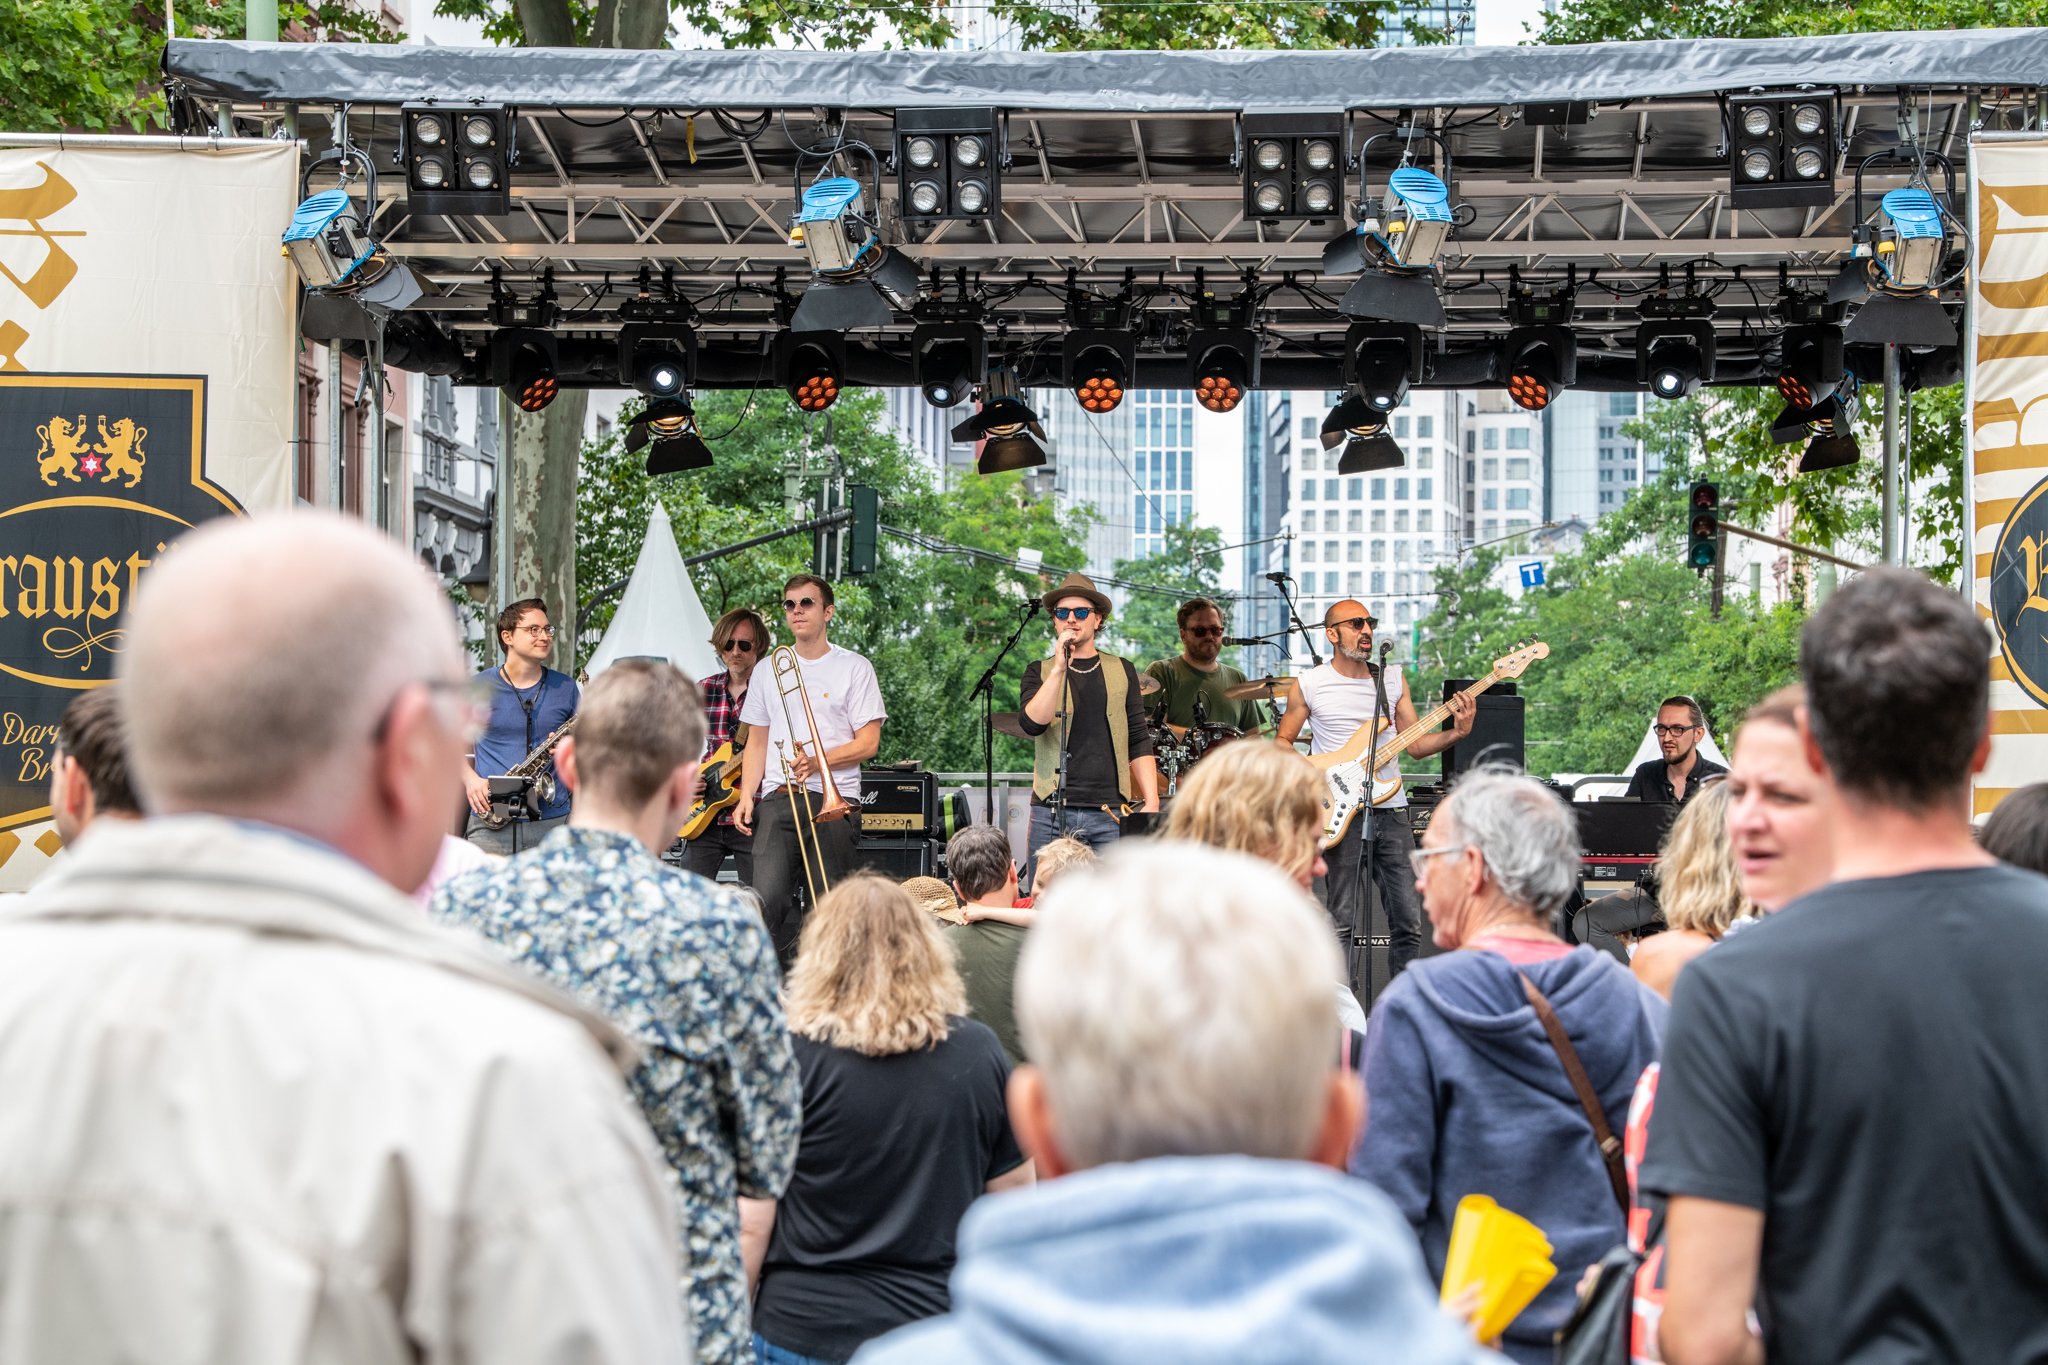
660,615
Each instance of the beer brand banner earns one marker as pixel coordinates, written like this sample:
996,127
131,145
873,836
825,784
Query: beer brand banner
146,385
2008,491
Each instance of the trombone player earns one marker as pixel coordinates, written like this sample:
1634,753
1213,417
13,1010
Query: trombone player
790,776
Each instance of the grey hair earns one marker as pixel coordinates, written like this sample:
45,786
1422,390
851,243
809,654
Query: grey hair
1525,833
1200,1019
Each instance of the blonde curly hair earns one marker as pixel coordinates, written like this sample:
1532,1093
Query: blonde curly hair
1253,796
873,972
1701,890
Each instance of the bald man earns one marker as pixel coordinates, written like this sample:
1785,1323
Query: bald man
1333,700
256,1103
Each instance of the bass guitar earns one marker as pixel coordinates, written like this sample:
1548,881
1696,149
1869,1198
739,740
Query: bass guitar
1351,787
721,773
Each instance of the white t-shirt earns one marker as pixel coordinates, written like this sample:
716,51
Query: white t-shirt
844,696
1338,705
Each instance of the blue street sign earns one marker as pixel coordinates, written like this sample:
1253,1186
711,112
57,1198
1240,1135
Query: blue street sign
1532,575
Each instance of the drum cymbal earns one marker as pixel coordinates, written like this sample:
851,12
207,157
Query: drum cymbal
1147,685
1258,689
1009,723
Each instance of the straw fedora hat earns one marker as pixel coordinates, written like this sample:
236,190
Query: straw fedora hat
1078,584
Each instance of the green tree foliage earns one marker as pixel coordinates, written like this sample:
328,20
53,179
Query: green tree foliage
1188,563
929,618
1600,21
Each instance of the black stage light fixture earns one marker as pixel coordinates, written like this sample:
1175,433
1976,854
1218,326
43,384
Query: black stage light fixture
1539,363
948,164
1809,364
1098,364
1781,149
1830,449
947,358
669,426
1009,432
812,366
1381,361
658,361
1293,166
1674,356
523,362
1223,366
1361,429
457,158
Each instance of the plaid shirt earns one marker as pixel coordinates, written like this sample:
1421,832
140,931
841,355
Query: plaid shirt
721,717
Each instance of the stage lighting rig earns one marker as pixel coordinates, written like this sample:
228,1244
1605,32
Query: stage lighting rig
857,281
1675,344
1901,261
457,158
525,364
1223,366
812,366
1381,361
1008,431
1539,358
1098,355
1292,166
948,164
1781,149
1394,249
659,361
1809,371
328,243
1362,430
948,355
669,426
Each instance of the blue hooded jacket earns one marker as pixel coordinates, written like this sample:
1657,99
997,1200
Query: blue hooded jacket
1195,1260
1465,1095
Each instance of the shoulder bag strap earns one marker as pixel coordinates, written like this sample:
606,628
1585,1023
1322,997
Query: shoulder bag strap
1610,1145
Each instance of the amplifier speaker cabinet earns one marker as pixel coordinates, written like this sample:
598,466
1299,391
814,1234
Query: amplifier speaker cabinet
897,859
1497,729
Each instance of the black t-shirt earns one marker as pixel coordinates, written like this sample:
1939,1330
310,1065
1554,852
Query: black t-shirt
1869,1067
1091,758
1651,780
894,1149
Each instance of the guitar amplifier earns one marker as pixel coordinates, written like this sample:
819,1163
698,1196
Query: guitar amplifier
897,803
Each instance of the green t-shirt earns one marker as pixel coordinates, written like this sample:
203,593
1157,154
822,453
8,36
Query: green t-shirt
1183,683
987,953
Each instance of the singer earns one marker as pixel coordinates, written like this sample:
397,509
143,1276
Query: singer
1195,683
1333,700
1091,748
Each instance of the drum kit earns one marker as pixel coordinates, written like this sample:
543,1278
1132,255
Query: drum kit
1177,748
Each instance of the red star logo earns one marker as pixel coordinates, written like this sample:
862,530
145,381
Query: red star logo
91,465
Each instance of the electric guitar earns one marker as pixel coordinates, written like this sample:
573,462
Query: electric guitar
1351,786
721,774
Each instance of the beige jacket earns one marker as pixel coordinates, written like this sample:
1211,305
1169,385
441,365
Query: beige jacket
256,1110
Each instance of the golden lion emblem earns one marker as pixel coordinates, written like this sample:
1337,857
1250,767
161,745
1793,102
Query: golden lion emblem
121,446
63,442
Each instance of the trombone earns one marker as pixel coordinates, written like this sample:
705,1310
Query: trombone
789,681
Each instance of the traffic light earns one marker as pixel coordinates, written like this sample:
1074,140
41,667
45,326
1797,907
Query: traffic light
1703,541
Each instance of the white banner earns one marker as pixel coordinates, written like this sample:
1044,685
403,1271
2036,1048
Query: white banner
146,384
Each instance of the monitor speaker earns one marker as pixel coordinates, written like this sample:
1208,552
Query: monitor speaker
896,859
1497,729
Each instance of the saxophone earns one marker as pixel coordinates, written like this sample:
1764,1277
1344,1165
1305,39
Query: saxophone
543,789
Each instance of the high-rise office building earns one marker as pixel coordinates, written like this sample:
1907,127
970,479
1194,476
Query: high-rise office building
1593,465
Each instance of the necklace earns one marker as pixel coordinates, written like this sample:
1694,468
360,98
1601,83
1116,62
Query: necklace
1076,668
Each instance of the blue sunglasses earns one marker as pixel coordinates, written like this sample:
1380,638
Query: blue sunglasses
1073,613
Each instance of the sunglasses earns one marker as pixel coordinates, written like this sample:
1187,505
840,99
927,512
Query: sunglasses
1205,631
793,603
1355,622
743,646
1073,613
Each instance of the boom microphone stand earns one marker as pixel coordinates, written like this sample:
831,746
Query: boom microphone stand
1280,581
987,688
1368,861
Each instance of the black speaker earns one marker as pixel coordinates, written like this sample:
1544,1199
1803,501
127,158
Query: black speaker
1497,729
897,859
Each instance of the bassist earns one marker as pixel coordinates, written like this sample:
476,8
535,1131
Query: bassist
1333,700
741,639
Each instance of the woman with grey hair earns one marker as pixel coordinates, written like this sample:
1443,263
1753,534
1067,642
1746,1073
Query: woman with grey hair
1470,1058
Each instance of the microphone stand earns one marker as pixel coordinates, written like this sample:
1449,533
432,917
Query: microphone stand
1294,618
987,689
1059,718
1368,861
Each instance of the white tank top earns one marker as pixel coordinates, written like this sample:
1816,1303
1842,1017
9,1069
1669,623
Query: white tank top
1338,705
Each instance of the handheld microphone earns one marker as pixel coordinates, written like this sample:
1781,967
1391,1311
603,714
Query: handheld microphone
1242,640
1067,647
1386,648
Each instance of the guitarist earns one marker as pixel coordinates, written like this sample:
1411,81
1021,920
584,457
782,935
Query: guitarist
529,702
741,639
1333,700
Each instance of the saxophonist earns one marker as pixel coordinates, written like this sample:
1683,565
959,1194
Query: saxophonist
529,702
846,700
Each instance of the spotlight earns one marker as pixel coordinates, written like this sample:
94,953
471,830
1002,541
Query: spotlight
1361,429
813,366
946,358
659,362
1381,361
670,425
1830,423
1809,371
857,282
457,159
1782,149
1223,366
1898,260
1395,252
1539,363
1291,170
945,165
328,240
1008,431
523,362
1674,357
1097,363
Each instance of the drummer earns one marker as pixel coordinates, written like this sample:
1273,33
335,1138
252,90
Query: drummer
1196,673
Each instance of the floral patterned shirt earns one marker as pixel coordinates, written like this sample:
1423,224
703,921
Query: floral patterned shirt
688,970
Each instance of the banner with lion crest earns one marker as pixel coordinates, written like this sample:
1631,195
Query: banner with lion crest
146,384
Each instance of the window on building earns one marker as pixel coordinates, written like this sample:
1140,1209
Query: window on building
1330,515
1308,459
1425,426
1518,499
1330,489
1379,489
1518,468
1400,519
1425,520
1310,429
1354,489
1470,439
1607,431
1400,490
1379,552
1489,499
1489,529
1425,458
1379,580
1354,520
1354,583
1628,473
1607,497
1403,552
1308,552
1518,524
1379,519
1308,490
1425,489
1401,427
1518,438
1354,551
1330,581
1490,439
1621,405
1489,469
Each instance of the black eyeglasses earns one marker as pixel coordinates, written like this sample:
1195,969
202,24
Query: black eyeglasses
743,646
1205,631
792,603
1672,731
1355,622
1073,613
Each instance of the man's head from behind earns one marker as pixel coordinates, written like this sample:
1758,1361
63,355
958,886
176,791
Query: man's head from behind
89,775
639,734
1180,1001
982,868
1897,690
301,670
